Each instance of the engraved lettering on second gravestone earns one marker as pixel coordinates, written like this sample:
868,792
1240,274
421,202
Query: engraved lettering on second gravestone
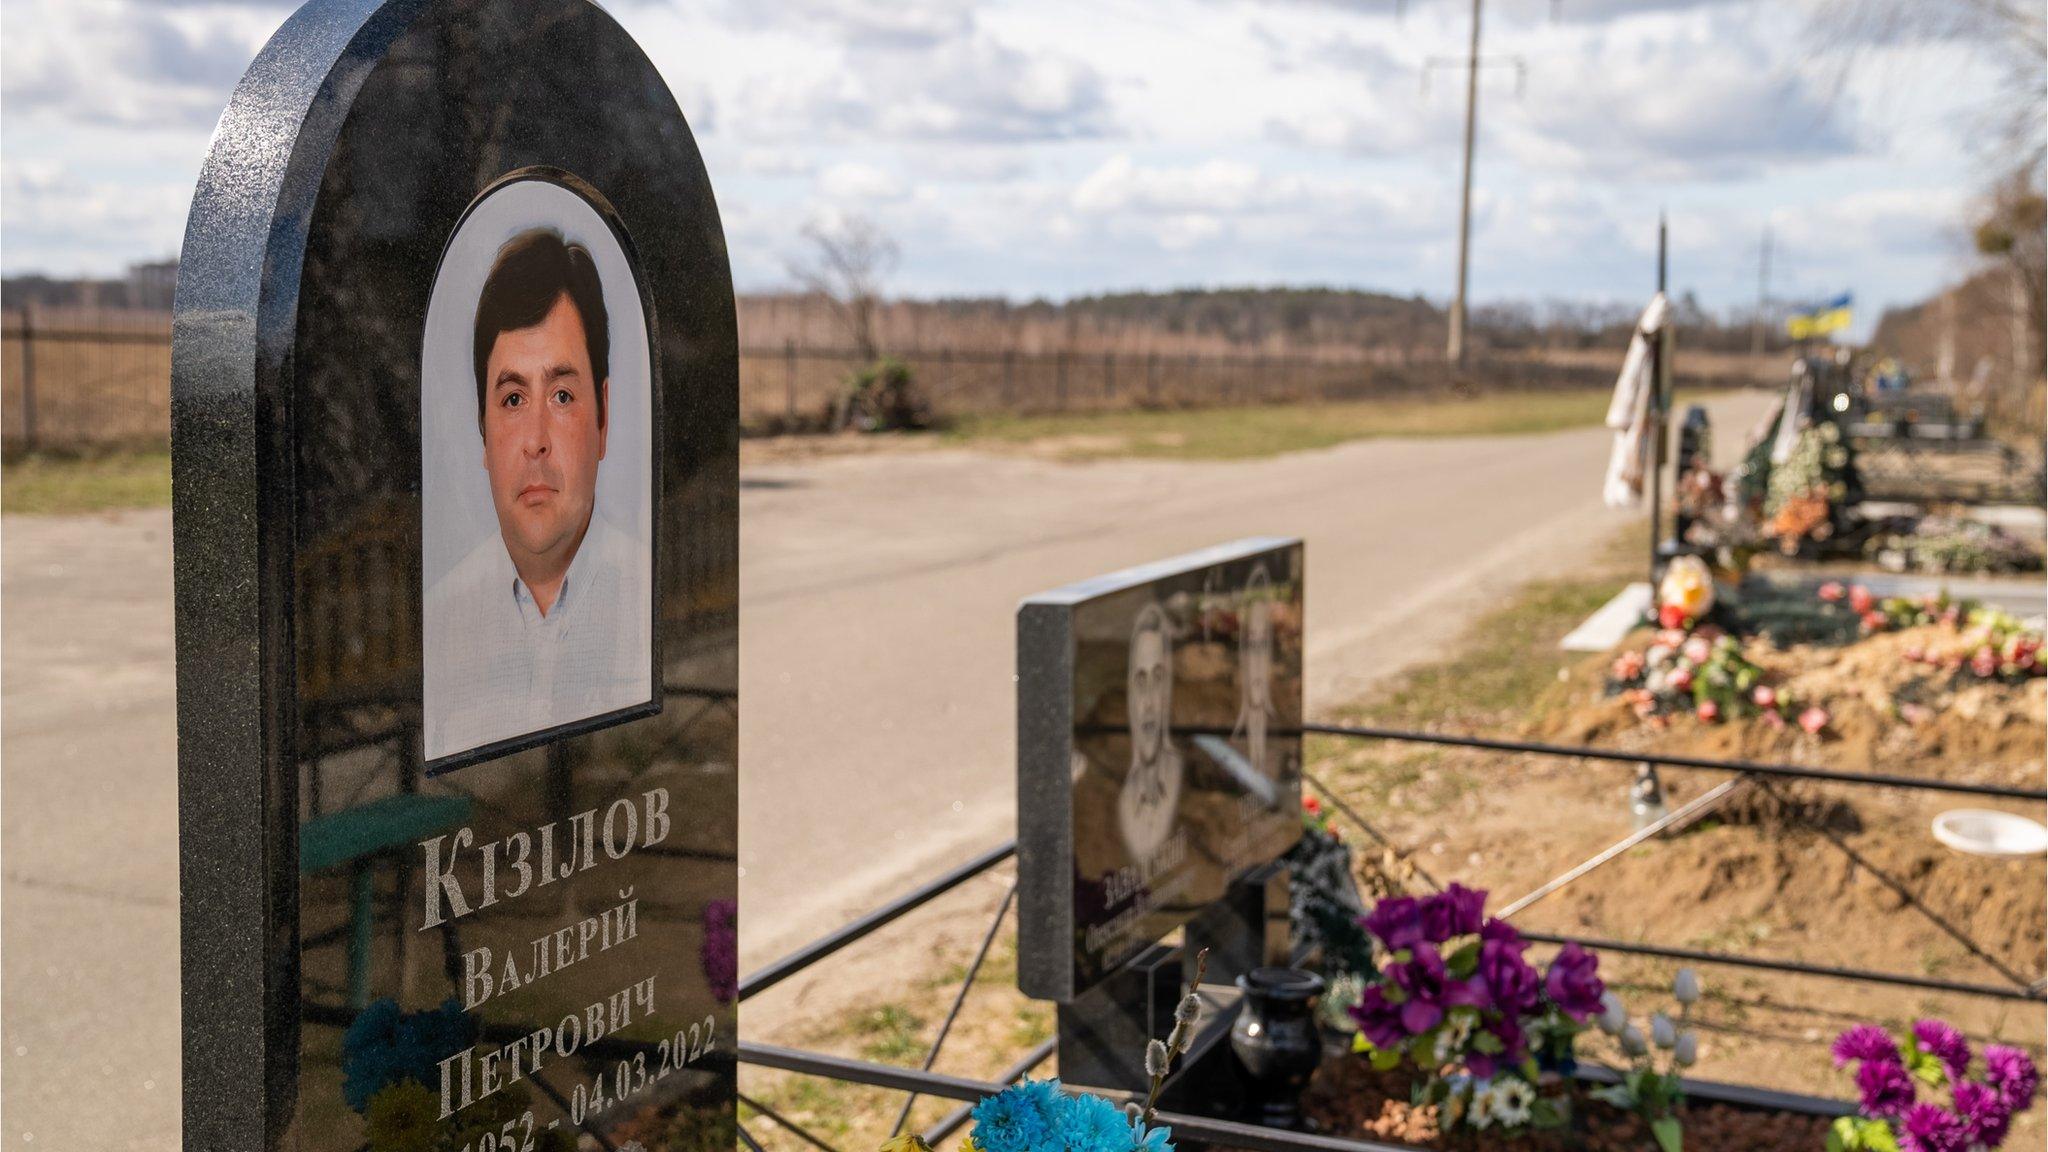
1159,751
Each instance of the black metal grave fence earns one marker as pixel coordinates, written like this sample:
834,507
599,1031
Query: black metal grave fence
922,1081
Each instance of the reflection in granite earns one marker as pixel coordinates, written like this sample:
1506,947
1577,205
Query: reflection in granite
1160,751
387,1020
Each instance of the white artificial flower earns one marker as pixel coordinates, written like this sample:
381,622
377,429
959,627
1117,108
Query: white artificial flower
1479,1113
1686,988
1658,655
1613,1014
1511,1102
1632,1041
1663,1032
1687,1051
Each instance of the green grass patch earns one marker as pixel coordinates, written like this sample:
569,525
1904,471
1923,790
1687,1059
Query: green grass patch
1249,432
890,1034
55,485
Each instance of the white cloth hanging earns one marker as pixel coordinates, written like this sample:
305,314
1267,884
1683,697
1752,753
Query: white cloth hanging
1628,413
1797,399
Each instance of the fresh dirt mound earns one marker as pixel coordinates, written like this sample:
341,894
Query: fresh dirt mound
1350,1099
1886,713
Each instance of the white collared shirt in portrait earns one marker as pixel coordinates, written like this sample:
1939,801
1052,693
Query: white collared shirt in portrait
495,668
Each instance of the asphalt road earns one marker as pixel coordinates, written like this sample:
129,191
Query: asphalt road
877,732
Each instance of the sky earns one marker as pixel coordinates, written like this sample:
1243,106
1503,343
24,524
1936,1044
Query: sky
1062,147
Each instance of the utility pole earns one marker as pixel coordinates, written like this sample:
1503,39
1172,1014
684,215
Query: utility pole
1763,295
1456,350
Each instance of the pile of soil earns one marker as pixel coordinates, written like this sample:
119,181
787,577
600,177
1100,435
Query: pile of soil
1885,712
1349,1099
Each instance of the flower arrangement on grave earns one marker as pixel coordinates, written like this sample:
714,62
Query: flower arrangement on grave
1042,1116
1655,1093
1902,1087
1324,906
1805,493
1989,643
1944,544
1704,673
1456,998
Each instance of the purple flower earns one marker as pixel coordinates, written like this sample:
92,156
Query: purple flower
1887,1089
1500,931
1983,1113
2013,1073
1865,1042
1456,911
1942,1041
1574,983
1932,1128
1422,979
1397,921
1513,1047
1379,1018
1511,981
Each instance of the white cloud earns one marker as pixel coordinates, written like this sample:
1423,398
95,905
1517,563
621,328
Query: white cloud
854,181
1058,146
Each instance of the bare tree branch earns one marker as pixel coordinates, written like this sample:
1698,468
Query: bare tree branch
847,266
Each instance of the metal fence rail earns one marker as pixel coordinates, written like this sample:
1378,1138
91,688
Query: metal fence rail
922,1081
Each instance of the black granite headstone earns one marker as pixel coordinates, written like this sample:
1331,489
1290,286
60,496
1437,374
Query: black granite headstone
1159,756
455,457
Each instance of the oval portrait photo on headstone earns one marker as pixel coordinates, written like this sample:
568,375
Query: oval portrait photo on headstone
537,484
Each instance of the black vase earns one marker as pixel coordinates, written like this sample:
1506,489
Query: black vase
1277,1042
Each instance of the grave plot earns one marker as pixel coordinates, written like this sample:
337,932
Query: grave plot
1845,882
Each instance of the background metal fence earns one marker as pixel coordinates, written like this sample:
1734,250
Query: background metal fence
81,380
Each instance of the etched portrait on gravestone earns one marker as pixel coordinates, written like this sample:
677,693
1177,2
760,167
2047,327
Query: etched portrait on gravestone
537,487
1151,791
1255,669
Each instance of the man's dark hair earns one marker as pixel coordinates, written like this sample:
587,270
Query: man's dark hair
534,269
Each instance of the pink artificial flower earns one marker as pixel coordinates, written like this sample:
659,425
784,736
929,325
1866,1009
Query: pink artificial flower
1680,679
1709,712
1832,591
1628,666
1671,616
1914,654
1698,649
1861,600
1774,719
1874,621
1765,696
1673,638
1985,662
1813,720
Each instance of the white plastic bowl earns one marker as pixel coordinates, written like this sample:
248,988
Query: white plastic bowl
1983,832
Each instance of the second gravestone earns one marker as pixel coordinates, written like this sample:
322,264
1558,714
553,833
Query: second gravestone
1158,783
455,450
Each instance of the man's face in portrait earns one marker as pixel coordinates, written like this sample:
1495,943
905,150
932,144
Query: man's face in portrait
1150,689
543,436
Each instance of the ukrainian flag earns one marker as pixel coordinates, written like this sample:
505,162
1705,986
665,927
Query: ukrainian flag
1830,317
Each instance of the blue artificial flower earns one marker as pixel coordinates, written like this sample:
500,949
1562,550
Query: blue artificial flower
1150,1140
1017,1119
1091,1124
